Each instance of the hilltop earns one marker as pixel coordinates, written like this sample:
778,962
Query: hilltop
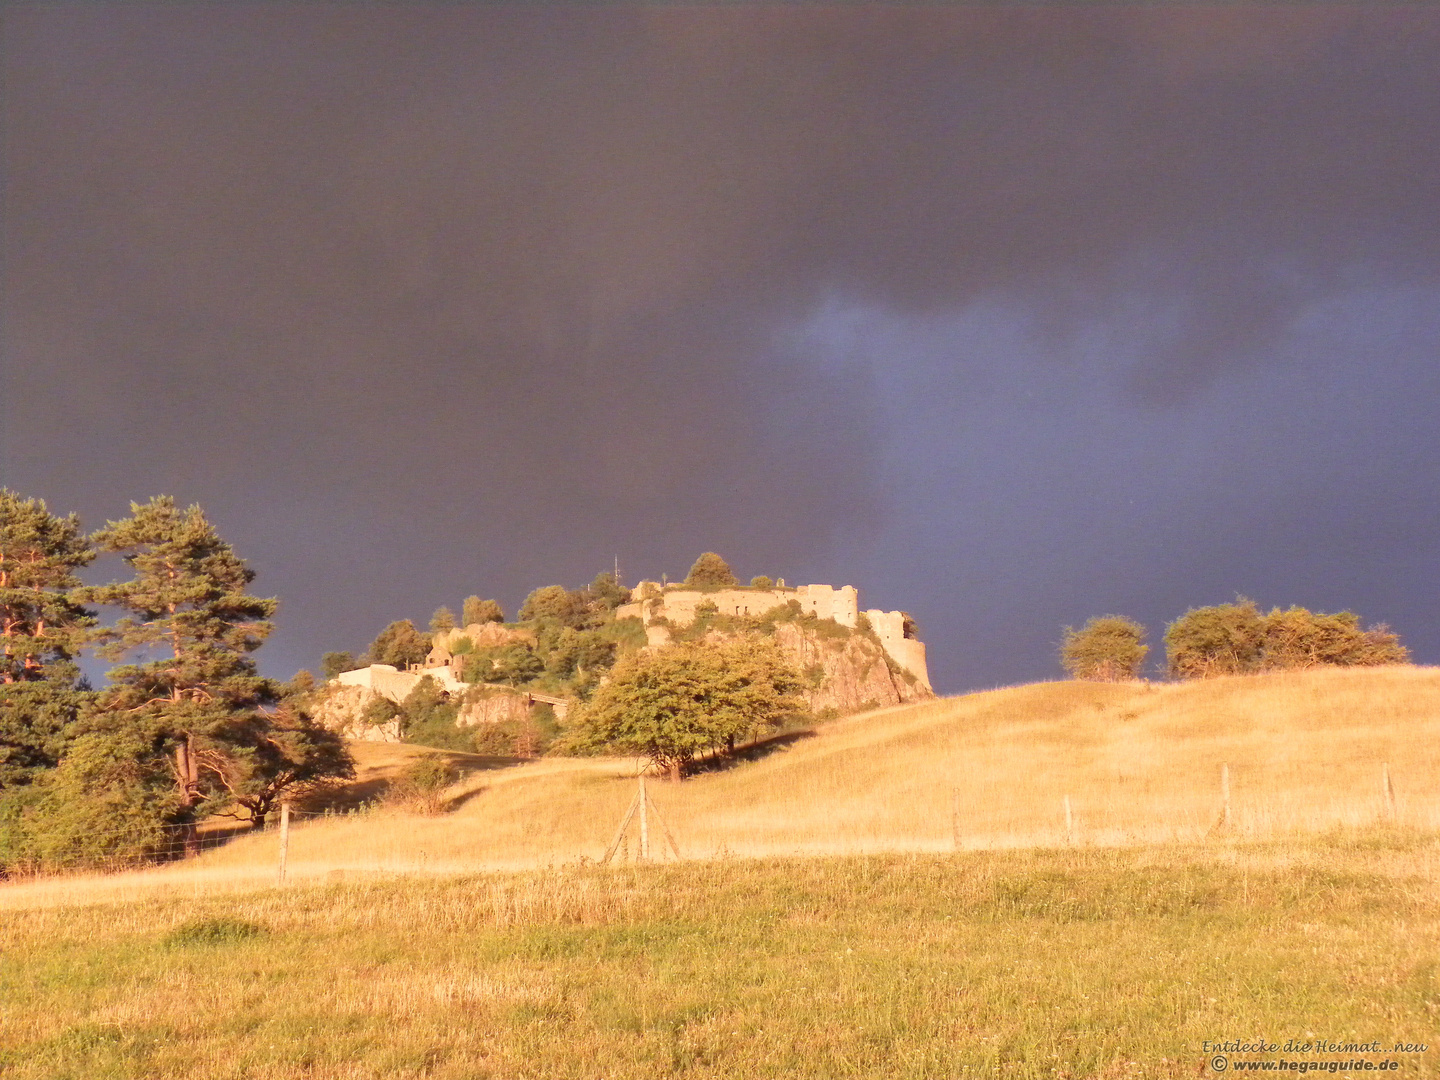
1139,763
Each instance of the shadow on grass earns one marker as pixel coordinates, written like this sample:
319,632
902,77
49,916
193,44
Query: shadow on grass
344,798
751,751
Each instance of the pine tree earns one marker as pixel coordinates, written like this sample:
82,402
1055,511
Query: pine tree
443,619
187,601
40,620
42,625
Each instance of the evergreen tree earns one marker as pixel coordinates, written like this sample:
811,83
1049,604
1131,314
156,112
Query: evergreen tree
711,570
42,625
476,611
40,619
443,619
260,758
188,603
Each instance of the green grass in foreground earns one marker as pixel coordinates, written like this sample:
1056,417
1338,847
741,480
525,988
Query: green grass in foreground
1040,963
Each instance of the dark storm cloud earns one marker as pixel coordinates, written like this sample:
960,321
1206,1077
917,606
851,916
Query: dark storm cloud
470,297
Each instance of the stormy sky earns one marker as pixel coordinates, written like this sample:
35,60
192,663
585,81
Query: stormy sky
1009,316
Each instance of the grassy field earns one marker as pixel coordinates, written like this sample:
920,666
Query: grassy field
1043,963
822,922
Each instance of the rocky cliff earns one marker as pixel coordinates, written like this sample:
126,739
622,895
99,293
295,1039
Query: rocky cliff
845,674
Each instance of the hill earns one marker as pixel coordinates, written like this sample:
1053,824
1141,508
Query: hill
1140,764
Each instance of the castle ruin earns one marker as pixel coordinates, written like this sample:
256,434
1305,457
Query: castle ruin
677,605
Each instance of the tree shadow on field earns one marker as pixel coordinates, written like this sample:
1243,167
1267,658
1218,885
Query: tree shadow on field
365,790
722,761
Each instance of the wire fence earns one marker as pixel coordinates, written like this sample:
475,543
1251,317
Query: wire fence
979,809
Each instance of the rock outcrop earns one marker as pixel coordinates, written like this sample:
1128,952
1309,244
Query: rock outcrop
845,674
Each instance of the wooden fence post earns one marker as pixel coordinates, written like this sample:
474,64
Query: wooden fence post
644,824
1387,790
284,839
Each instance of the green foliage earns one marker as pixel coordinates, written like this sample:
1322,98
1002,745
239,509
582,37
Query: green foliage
710,569
515,663
41,617
478,612
1297,638
1233,639
37,720
189,599
379,710
1226,639
269,757
760,581
427,717
607,593
113,796
524,738
399,644
1108,648
421,786
333,663
579,653
555,602
443,619
673,704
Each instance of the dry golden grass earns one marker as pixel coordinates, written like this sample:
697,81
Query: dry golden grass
1140,765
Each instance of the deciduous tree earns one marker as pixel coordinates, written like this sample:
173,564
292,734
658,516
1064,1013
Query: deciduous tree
1108,648
476,611
672,704
399,644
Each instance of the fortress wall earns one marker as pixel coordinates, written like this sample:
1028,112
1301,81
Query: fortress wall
394,684
909,653
828,602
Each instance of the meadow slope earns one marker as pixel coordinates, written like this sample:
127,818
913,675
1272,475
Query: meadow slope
1139,764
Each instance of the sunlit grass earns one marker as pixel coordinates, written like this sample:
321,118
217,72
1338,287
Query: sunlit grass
820,925
1041,963
1139,764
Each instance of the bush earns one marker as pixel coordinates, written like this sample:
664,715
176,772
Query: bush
1234,639
420,787
760,581
1108,648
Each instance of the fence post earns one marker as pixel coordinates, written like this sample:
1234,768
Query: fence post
1069,822
955,818
1387,790
284,839
644,824
1225,793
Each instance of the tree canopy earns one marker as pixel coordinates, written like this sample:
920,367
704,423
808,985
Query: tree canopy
399,645
671,704
1108,648
1234,639
711,570
190,600
476,611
